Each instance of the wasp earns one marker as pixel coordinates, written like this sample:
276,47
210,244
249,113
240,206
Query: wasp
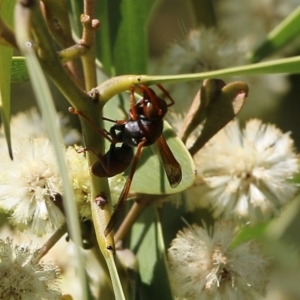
143,128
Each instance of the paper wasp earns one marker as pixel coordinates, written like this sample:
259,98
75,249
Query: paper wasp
143,128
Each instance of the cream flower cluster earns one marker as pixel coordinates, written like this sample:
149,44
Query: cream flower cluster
30,184
23,277
245,174
203,265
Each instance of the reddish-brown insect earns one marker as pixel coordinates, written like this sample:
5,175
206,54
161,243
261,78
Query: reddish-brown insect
143,128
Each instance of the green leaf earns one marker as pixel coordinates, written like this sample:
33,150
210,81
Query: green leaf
130,47
6,12
123,35
114,276
150,177
19,73
286,225
287,30
249,233
103,38
150,253
75,11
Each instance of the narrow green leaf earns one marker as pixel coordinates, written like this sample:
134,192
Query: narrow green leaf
115,278
162,279
287,223
123,39
287,30
145,227
151,255
104,35
249,233
6,12
76,10
130,47
19,73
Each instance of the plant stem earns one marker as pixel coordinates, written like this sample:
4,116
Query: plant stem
88,36
119,84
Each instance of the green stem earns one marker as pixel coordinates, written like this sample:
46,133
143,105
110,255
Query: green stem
119,84
73,52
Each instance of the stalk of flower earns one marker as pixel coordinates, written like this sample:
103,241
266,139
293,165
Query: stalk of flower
203,266
22,276
244,174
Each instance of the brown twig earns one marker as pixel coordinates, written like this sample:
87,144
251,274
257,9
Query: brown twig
7,35
135,211
88,37
52,241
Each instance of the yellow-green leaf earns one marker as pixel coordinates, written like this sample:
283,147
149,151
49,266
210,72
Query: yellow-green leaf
6,12
287,30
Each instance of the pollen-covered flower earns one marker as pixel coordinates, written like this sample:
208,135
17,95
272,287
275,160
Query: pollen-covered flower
29,186
203,266
245,173
23,277
81,182
80,176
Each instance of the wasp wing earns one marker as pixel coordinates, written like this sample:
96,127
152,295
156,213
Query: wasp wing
171,165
